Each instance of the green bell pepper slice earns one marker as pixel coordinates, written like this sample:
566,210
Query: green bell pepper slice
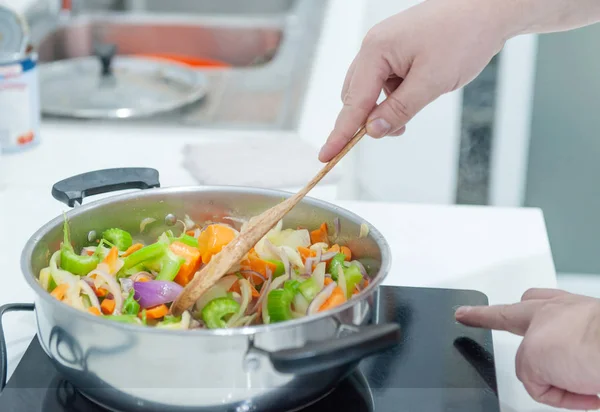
309,289
279,301
150,253
353,278
336,262
188,240
51,284
170,265
170,319
71,261
133,319
279,268
130,305
119,238
215,310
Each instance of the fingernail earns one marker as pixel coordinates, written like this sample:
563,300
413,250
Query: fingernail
378,128
463,310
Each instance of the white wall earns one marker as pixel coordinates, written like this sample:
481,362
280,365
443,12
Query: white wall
420,166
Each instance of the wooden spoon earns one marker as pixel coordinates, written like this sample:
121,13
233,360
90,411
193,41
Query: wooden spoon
257,228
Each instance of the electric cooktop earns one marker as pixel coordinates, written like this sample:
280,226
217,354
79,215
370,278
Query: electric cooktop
439,366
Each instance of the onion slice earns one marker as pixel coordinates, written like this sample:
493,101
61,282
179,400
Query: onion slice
87,290
321,297
326,256
113,287
126,285
145,222
142,275
342,282
155,292
364,230
265,288
253,273
246,298
319,274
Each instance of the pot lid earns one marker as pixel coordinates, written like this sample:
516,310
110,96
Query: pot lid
106,86
14,33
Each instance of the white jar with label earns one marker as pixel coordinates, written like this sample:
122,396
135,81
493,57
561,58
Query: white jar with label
19,102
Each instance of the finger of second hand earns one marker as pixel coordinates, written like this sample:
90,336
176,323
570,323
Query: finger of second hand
511,318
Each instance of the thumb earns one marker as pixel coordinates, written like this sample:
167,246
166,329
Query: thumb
411,96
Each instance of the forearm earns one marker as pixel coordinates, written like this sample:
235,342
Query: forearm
545,16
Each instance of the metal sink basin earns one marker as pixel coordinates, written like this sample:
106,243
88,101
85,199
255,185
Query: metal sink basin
237,46
269,46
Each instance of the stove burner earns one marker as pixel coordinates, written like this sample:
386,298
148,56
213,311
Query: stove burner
440,365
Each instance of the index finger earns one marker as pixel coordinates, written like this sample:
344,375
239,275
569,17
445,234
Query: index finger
511,318
359,100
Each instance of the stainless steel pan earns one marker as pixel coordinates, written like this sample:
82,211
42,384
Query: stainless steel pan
260,368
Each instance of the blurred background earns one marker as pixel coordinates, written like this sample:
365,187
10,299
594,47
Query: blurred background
179,84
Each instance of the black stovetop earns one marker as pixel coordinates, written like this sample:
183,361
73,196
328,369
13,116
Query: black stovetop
440,365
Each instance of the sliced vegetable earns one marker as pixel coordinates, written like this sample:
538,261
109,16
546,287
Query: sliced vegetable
131,306
353,279
320,235
149,253
280,301
216,310
321,298
169,266
94,311
337,298
336,262
157,312
60,291
191,261
112,260
309,289
248,292
108,306
279,268
155,292
131,249
219,290
76,264
212,239
189,240
124,319
119,238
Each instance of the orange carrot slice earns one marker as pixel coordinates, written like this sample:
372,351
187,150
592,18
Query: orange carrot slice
192,262
336,299
111,259
347,252
60,291
108,306
94,311
319,235
131,249
157,312
213,239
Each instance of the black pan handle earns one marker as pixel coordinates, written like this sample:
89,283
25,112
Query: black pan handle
318,356
72,190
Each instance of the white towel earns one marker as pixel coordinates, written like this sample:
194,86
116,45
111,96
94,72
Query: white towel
271,164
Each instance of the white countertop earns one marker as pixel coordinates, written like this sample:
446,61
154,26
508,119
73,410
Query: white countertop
501,252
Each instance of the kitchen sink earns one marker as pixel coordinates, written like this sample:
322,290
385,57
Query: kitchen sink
234,45
267,45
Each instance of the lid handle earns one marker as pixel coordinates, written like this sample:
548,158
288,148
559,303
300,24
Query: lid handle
105,52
